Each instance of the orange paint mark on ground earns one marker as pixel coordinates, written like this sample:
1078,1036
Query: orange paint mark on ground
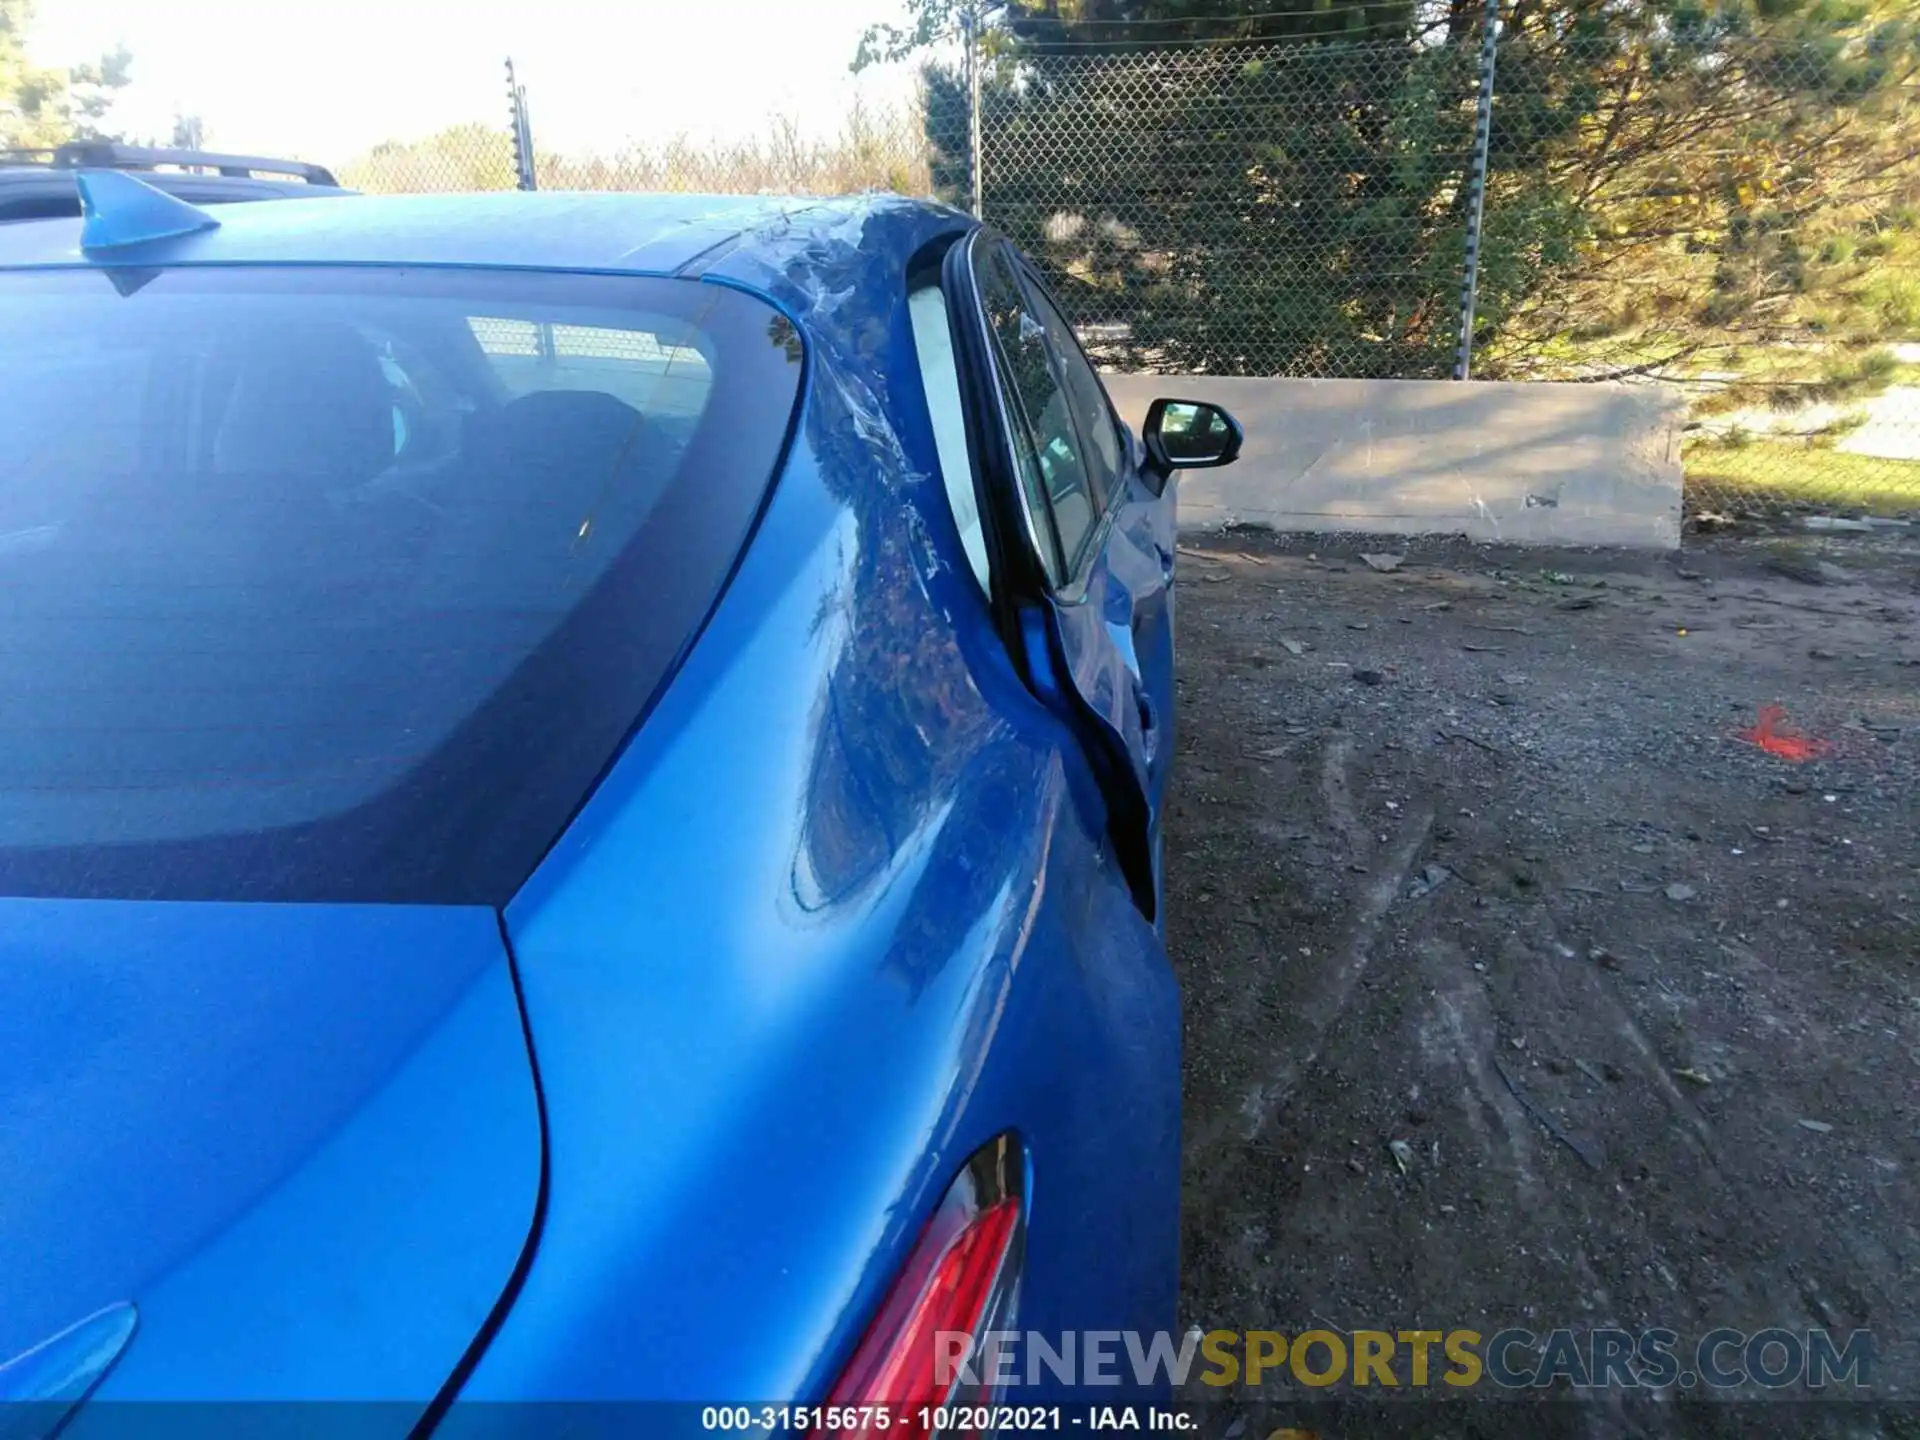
1774,735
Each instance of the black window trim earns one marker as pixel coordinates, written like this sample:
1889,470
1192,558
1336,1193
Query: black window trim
1042,531
1071,588
1073,568
1037,283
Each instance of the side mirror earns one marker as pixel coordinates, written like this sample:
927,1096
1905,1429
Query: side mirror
1190,435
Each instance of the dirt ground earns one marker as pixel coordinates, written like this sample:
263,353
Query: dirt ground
1472,856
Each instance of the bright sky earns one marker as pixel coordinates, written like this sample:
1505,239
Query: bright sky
324,80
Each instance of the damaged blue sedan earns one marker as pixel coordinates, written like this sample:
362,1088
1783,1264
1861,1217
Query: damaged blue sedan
580,815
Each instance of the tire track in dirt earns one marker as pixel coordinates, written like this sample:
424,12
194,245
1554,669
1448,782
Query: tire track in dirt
1230,1139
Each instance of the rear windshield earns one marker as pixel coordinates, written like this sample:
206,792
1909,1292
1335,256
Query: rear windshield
338,584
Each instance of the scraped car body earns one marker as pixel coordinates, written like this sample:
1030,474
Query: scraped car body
596,994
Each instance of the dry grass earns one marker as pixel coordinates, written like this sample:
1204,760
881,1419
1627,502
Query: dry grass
875,148
1785,472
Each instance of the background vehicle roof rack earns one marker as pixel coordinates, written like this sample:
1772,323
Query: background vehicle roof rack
110,155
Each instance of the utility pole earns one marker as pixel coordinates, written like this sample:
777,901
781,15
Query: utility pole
973,105
1477,199
522,131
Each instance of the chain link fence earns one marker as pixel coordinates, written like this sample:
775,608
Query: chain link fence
1208,210
1734,211
1730,208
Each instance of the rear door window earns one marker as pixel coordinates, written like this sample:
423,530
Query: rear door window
1047,443
1086,397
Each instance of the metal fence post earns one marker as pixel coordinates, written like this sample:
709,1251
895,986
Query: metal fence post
522,131
973,105
1482,133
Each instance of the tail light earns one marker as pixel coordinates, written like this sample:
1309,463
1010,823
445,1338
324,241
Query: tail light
962,1278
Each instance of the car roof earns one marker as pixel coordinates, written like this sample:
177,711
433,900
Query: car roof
595,231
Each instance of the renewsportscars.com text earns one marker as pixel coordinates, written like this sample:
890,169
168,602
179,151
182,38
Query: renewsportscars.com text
1597,1358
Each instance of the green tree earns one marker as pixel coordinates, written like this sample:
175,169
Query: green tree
41,107
1674,187
1291,203
1745,183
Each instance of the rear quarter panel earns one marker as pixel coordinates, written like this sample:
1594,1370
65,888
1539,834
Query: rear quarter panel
837,917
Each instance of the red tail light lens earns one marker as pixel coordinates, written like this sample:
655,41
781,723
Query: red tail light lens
961,1279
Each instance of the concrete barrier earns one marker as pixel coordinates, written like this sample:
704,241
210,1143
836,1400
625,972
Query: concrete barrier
1547,464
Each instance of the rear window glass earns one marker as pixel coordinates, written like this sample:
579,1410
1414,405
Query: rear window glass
340,584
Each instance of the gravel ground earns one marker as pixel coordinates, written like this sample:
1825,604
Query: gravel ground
1470,855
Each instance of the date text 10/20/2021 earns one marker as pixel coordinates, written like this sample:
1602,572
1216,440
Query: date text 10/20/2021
941,1419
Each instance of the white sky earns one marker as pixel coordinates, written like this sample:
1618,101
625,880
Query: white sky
324,80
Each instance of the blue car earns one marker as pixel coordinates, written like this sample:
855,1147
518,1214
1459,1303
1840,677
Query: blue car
580,809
